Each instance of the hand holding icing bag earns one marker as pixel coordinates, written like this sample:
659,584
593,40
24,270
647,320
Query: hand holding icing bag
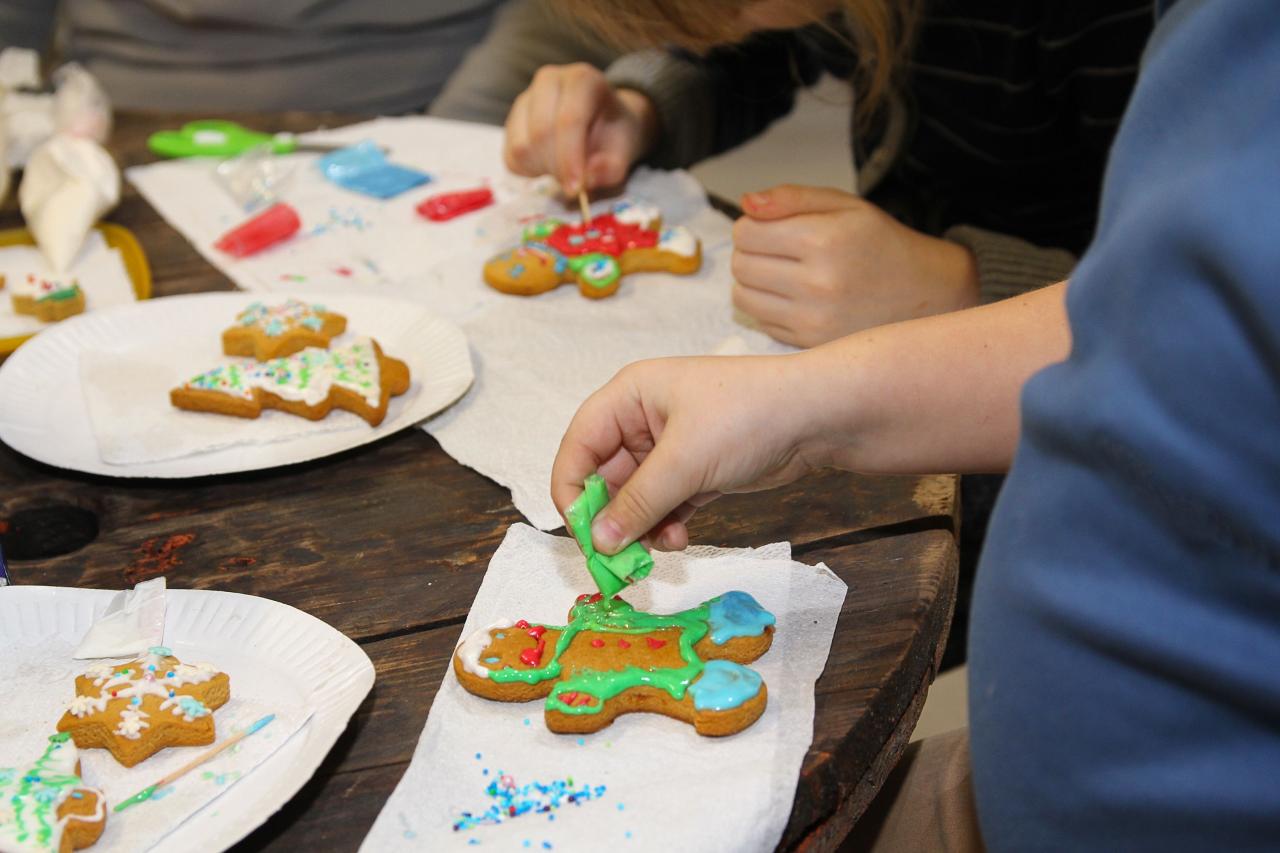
611,573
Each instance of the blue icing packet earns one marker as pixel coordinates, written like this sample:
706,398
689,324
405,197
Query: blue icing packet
724,685
737,614
362,168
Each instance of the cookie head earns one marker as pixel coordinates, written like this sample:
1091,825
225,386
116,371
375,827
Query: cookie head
526,271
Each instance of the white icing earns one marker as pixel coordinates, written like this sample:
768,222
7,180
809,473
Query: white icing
678,240
132,722
636,213
304,377
151,675
471,649
58,768
82,706
39,287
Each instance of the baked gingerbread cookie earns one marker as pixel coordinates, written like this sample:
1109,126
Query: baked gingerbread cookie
138,708
356,378
46,807
46,299
265,332
611,659
596,254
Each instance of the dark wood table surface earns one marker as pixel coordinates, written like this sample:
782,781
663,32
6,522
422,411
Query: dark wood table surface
388,544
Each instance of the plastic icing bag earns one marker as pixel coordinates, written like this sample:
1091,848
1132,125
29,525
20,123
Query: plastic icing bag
611,574
132,623
362,168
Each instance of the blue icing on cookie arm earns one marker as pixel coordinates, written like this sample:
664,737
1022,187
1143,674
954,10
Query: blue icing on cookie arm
611,573
724,685
737,614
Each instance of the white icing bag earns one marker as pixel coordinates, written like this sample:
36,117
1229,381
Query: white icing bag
132,623
69,183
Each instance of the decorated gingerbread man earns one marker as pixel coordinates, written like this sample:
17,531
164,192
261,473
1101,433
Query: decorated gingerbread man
611,659
594,254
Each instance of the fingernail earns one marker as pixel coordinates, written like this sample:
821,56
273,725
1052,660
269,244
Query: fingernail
755,201
607,534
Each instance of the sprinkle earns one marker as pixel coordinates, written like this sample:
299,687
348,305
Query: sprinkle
526,721
582,741
546,845
510,800
621,806
477,756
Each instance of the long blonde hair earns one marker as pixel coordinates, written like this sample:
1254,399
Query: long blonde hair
880,29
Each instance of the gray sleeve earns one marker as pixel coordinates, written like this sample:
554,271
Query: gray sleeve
526,35
1009,266
684,97
28,23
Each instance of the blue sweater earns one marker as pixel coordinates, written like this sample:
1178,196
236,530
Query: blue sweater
1125,645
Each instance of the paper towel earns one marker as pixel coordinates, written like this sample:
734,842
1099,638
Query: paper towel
665,787
98,268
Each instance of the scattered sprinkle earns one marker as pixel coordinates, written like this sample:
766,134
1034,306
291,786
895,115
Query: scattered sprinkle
526,721
582,741
510,800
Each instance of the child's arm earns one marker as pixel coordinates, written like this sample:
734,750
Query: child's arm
937,394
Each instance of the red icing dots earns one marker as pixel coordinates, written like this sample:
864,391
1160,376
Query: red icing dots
604,234
597,643
655,644
522,624
623,644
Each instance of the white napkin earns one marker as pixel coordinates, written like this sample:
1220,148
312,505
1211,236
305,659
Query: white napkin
539,358
99,269
132,623
665,787
127,392
69,183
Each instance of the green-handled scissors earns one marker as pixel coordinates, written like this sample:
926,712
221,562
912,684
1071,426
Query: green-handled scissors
220,138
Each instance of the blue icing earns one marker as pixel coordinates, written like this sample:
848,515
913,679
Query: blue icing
561,264
312,323
517,270
274,327
159,651
736,614
191,706
724,685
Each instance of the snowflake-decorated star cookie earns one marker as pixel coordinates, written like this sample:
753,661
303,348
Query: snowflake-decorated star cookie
611,659
46,299
138,708
595,254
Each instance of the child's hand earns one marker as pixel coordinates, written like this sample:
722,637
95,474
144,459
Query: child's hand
812,264
571,119
670,435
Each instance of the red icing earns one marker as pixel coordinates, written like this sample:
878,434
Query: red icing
533,656
583,597
597,643
655,644
623,644
522,624
568,697
445,206
593,599
604,234
537,631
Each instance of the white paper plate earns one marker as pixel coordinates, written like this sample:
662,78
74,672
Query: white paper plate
276,647
44,415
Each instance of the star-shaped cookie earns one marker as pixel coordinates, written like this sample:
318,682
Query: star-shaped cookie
138,708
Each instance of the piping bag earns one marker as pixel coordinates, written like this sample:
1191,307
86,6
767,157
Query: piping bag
611,573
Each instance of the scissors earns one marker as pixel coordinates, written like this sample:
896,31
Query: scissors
220,138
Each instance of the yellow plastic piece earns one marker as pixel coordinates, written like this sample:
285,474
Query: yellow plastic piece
117,237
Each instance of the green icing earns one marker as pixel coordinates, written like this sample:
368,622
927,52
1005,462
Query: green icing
541,230
611,573
614,616
61,295
36,796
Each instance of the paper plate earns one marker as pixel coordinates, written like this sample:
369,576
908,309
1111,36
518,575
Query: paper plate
117,237
44,414
277,647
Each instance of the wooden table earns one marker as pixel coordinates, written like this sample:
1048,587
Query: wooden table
388,544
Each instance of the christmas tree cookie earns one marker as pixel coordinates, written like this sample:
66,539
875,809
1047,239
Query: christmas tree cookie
45,807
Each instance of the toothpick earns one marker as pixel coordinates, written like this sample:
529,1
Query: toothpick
586,208
145,794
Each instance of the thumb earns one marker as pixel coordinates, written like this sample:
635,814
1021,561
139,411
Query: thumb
648,496
794,199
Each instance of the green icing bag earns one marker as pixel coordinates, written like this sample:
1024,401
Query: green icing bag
611,574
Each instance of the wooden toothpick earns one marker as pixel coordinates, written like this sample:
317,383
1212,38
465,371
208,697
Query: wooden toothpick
586,208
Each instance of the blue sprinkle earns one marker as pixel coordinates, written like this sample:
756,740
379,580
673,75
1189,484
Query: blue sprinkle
474,841
628,833
582,741
76,795
526,721
546,845
485,772
621,806
551,817
477,756
527,843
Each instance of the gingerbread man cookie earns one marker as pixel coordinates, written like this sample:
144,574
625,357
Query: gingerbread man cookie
357,378
612,659
595,254
265,332
46,299
45,807
138,708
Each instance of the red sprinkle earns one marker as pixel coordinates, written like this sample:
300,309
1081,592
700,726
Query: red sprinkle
623,644
655,644
597,643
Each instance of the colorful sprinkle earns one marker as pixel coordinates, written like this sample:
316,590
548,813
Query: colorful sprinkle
510,800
